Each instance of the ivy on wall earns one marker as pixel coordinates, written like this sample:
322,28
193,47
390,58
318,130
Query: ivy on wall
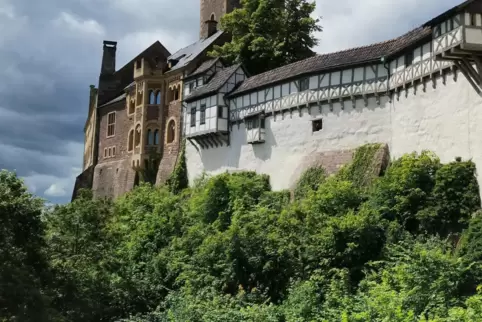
178,180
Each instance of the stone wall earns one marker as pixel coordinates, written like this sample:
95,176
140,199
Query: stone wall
216,7
113,176
83,181
443,119
113,179
120,139
170,151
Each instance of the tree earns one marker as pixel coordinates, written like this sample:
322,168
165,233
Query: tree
22,262
269,33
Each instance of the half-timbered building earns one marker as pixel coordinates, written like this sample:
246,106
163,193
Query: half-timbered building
419,91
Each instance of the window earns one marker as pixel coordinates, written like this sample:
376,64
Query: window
317,125
171,131
138,64
132,106
220,111
156,137
193,116
191,87
203,114
150,137
176,94
152,97
473,19
138,135
105,153
158,97
113,151
130,145
304,84
409,59
111,124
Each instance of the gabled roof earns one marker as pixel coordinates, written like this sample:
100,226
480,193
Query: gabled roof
349,57
125,75
185,55
345,58
115,100
205,66
216,82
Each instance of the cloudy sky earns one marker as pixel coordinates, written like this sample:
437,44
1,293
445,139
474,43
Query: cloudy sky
50,53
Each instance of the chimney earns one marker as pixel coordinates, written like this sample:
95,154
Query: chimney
108,58
212,27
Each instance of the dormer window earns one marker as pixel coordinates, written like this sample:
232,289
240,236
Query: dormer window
138,64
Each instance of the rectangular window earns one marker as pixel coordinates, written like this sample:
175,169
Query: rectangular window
111,124
317,125
113,151
191,87
409,59
220,111
110,152
105,153
203,114
193,116
304,84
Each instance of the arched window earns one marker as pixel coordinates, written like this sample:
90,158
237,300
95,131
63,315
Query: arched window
131,141
156,137
150,138
171,131
158,97
138,136
152,97
212,17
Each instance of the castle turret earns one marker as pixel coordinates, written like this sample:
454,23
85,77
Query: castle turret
211,13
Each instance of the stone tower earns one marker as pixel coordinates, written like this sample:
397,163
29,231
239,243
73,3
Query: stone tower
211,13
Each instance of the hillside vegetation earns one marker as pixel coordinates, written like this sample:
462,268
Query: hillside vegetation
403,247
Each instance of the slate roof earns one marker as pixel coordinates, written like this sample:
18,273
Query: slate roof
216,82
204,67
187,54
353,56
115,100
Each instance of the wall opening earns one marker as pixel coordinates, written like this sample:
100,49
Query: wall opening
171,131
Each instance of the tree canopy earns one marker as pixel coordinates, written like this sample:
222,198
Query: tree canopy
269,33
354,246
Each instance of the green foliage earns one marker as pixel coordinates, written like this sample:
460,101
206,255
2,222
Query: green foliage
362,170
310,180
22,262
352,247
269,33
178,179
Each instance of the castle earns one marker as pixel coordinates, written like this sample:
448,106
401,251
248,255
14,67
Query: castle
419,91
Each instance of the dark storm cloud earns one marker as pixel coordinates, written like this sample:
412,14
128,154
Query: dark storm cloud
50,52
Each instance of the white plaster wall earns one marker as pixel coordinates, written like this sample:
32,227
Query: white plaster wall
443,120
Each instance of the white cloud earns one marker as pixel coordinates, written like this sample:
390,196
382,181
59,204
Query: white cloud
133,43
55,190
76,24
353,23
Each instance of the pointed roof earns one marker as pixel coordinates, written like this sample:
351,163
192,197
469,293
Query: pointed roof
187,54
205,66
216,82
